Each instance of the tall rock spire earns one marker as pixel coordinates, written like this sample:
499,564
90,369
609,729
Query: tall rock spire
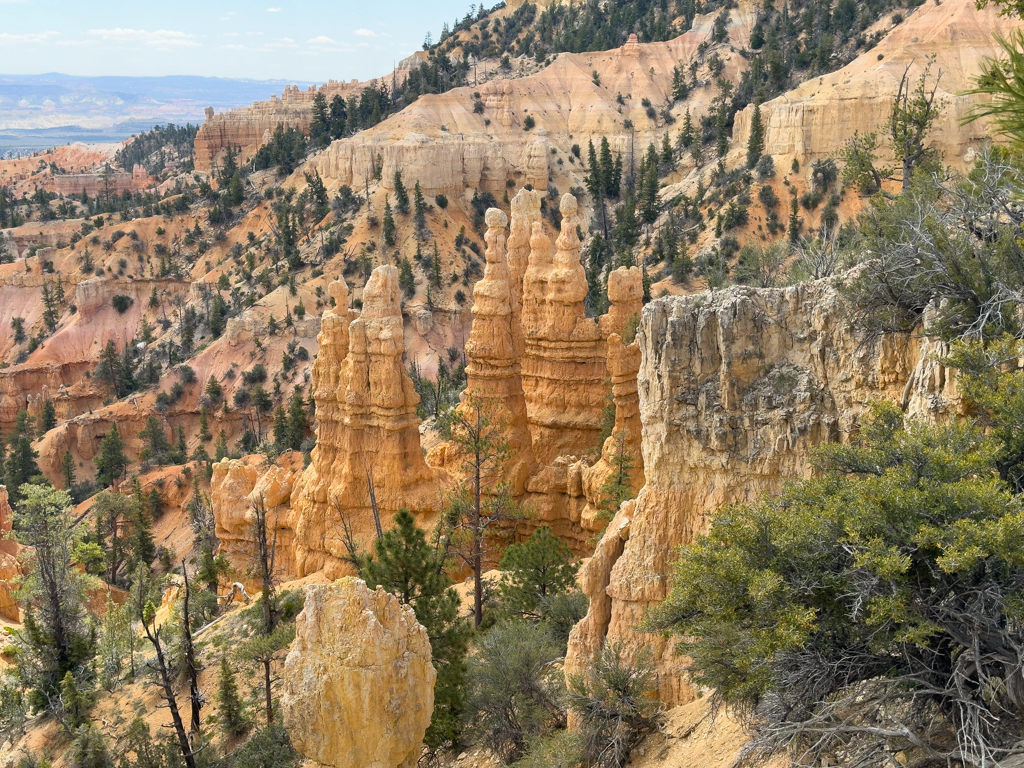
368,435
495,351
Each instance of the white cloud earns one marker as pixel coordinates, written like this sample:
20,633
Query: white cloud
159,38
273,10
322,40
365,33
233,47
27,37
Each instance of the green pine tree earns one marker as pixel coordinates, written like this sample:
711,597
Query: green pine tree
755,144
388,225
48,417
67,470
534,570
281,429
408,567
20,465
230,707
111,461
401,195
298,421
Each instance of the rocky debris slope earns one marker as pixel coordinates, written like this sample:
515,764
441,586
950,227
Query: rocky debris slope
815,120
359,685
737,387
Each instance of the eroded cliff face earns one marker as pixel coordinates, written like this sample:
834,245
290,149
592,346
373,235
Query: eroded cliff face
816,119
736,387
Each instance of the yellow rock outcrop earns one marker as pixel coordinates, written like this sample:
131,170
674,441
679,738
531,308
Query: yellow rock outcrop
358,682
736,387
495,352
815,119
564,368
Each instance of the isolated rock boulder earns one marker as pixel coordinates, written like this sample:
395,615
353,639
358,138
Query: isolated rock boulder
359,685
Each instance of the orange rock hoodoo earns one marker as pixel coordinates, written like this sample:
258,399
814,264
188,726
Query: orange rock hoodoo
564,366
369,432
495,352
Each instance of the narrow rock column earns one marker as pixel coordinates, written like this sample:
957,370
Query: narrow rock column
564,367
495,352
525,214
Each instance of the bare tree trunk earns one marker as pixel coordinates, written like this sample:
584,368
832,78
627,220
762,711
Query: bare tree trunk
195,697
167,687
270,696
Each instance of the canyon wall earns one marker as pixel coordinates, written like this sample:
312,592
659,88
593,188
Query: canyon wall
816,119
448,145
249,128
736,387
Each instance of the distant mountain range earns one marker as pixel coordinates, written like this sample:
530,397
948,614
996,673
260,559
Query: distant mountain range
38,111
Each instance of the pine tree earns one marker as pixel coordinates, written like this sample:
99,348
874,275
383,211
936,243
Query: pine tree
680,90
75,701
230,707
142,545
220,450
57,635
298,421
204,425
111,461
401,195
156,447
648,187
320,126
755,144
608,183
48,417
67,470
667,156
213,389
407,566
686,135
388,225
420,212
281,429
533,570
435,268
795,222
20,465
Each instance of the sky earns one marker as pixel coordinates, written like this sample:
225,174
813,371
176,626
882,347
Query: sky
274,39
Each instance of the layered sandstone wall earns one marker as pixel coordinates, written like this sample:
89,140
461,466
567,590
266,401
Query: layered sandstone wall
736,388
564,367
816,119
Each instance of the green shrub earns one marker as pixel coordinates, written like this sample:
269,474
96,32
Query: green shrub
515,694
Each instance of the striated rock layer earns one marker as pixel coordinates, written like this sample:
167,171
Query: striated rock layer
736,388
495,352
359,685
814,120
564,367
368,441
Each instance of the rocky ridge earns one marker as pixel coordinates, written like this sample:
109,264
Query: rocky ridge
736,389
